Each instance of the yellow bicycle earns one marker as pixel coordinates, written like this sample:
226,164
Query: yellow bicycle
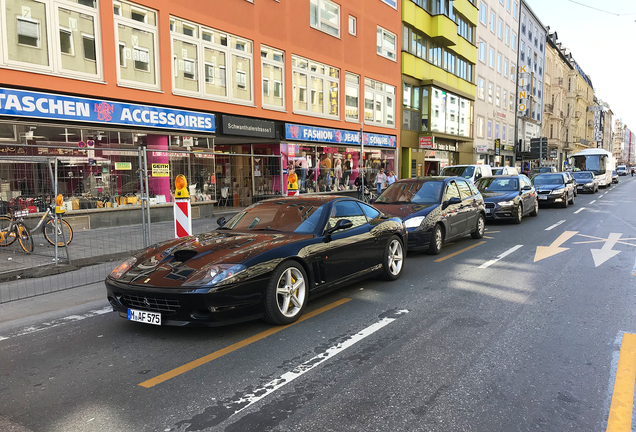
12,227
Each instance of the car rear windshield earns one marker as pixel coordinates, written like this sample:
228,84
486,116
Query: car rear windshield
420,192
497,171
490,184
548,179
583,175
285,216
459,171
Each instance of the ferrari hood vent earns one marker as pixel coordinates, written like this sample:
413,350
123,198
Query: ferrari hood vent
185,254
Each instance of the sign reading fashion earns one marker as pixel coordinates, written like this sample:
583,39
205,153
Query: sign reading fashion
336,136
69,108
248,127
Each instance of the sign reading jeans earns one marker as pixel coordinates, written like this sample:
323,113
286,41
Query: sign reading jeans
336,136
69,108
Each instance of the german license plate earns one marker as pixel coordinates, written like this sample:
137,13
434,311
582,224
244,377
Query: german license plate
144,317
543,197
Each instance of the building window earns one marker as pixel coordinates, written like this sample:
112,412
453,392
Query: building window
379,103
224,60
352,97
514,41
480,127
512,102
386,43
499,28
324,15
482,51
508,5
315,79
450,113
464,28
136,31
491,58
498,62
489,130
480,88
513,72
490,92
273,70
505,68
353,25
498,96
504,99
411,107
483,13
515,8
71,27
492,22
507,38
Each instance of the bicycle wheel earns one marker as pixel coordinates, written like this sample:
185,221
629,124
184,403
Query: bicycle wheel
24,237
62,228
6,237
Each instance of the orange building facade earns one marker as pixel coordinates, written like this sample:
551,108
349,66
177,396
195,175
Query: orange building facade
235,94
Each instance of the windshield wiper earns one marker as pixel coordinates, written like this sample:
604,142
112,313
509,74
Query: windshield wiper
265,229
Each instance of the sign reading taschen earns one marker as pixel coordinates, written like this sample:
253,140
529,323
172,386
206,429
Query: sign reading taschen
20,103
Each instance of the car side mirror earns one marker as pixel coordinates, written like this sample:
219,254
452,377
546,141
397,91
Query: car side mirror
221,221
478,176
342,224
526,187
452,201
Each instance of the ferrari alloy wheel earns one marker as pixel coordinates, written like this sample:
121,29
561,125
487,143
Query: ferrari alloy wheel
393,259
286,294
481,228
437,241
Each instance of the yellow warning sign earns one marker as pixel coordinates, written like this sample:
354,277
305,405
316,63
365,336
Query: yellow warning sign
160,170
123,166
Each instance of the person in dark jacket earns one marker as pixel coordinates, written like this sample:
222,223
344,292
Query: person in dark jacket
358,184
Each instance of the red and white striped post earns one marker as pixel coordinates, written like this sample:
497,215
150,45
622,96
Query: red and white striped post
182,208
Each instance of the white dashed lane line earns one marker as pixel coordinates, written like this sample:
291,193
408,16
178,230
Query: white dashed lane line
579,210
503,255
550,228
56,323
592,202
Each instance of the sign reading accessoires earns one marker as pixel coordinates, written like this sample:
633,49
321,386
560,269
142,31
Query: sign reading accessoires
20,103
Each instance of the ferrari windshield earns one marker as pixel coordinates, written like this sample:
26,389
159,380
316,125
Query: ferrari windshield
548,179
491,184
412,192
286,216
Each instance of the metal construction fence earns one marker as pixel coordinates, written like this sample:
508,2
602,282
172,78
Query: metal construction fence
116,202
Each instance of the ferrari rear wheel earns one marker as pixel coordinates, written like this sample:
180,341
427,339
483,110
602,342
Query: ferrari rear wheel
286,295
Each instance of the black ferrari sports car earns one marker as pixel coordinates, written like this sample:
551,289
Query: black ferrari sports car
265,262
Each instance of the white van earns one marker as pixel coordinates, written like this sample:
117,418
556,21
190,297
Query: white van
470,172
505,171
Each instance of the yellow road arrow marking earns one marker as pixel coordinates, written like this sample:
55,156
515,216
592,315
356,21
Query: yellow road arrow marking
544,252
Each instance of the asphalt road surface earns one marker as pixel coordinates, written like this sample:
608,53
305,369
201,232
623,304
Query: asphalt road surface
528,329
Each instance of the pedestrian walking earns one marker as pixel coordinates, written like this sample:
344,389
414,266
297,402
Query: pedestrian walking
380,180
358,184
392,178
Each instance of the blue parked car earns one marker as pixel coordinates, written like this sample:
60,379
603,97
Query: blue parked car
435,210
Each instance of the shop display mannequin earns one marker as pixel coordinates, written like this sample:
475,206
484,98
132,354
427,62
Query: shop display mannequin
347,170
338,173
302,165
326,165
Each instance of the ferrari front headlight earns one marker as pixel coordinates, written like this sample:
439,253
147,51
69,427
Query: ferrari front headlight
123,268
214,275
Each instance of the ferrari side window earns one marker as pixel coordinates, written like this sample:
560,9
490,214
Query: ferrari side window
347,210
370,212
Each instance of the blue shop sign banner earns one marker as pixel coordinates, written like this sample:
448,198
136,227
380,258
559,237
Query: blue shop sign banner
336,136
68,108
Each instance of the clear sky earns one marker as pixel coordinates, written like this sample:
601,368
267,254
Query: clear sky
601,43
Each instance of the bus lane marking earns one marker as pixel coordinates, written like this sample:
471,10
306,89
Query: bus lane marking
620,413
220,353
500,257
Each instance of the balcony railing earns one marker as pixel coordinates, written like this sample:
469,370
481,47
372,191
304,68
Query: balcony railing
548,108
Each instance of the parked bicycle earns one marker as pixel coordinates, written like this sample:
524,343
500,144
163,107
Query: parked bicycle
369,195
48,225
15,229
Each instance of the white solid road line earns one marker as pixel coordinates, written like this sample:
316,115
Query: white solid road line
57,322
579,210
503,255
554,226
269,388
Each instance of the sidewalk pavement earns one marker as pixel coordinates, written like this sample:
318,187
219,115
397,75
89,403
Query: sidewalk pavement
93,254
